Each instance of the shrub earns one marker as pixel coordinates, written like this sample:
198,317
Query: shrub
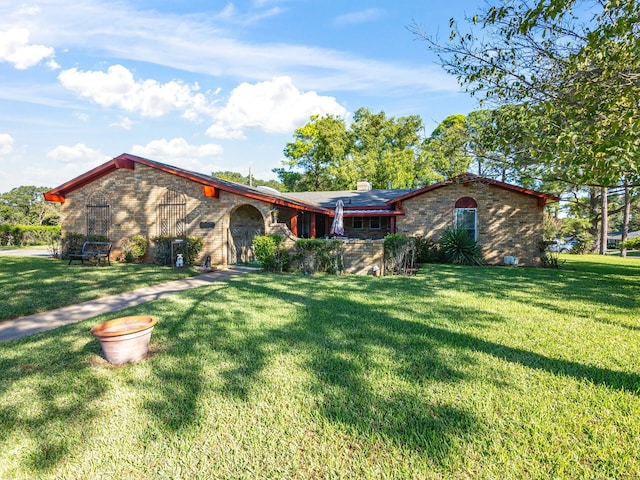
428,251
270,252
633,244
584,243
135,248
161,250
318,255
399,254
21,235
549,259
458,248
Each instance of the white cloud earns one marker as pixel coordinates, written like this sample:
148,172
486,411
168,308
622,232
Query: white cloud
79,155
275,106
6,144
15,49
361,16
117,87
125,123
177,151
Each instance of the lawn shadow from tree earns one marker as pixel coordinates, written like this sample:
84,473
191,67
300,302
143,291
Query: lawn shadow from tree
554,288
54,396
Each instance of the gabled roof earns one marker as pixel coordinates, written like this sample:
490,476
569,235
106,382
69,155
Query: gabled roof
467,178
356,203
209,183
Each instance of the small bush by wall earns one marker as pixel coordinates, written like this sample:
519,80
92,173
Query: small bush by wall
161,250
270,252
458,248
399,254
318,255
135,249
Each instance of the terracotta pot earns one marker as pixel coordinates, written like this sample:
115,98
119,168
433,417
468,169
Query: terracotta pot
125,339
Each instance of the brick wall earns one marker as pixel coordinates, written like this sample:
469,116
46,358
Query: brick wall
360,256
134,196
509,223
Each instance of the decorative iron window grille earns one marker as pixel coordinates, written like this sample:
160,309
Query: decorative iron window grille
172,212
98,214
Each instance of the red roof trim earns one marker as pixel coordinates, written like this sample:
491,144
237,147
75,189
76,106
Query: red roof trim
128,161
363,212
469,178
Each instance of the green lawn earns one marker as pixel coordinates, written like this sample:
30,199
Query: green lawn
459,372
35,284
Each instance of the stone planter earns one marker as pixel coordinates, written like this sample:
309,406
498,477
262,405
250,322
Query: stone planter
125,339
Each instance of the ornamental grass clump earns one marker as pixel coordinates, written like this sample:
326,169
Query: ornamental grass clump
460,249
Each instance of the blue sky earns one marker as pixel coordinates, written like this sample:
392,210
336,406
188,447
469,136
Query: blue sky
205,85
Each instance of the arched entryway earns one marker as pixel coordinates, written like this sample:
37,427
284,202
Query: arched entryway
245,223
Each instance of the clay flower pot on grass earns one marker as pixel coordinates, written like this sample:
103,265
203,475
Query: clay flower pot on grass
125,339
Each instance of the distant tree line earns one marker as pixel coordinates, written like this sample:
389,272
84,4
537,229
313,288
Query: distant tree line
26,206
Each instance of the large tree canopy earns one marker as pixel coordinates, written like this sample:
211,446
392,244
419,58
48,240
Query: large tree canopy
388,152
569,71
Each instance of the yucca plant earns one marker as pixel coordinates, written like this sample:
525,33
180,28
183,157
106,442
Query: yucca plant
458,248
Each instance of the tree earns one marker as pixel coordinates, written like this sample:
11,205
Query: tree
25,205
388,151
448,146
572,85
315,154
245,180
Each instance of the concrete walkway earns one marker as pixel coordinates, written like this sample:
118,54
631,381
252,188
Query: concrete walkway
39,322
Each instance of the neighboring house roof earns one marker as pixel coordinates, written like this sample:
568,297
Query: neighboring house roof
618,235
356,203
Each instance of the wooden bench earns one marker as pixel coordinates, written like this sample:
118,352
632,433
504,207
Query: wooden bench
93,251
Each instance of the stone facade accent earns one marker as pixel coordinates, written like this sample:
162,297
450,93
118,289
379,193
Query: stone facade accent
509,223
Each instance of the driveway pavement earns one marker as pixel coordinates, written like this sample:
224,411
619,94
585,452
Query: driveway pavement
40,322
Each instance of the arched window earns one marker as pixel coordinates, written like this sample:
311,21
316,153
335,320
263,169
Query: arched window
172,212
98,214
466,216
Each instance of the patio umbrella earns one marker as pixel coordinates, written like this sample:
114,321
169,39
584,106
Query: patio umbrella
337,227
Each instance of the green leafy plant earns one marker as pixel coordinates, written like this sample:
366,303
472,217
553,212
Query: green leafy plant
428,251
135,248
458,248
271,253
583,245
633,244
21,235
318,255
549,259
161,250
399,254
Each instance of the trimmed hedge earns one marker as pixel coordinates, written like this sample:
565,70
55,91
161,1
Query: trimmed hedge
23,235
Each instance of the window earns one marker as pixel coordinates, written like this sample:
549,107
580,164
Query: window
171,215
357,223
466,216
98,214
374,223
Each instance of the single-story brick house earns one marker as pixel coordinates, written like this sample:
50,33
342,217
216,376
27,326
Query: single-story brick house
132,195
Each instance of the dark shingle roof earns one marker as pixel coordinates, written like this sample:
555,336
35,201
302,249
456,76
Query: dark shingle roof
351,198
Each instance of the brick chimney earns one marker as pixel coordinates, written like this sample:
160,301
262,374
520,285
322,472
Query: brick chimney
363,186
